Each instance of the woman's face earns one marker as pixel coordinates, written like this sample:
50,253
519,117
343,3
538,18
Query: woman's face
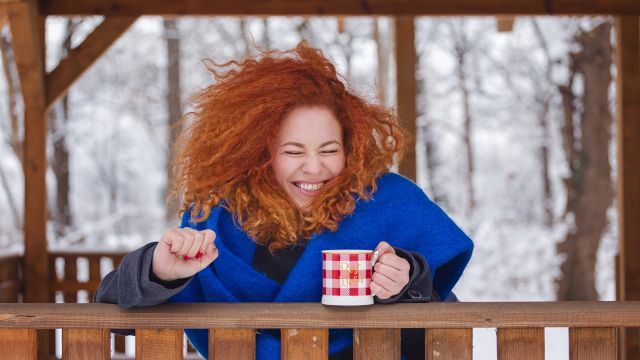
307,152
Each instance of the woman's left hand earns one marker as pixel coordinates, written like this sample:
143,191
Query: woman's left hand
390,273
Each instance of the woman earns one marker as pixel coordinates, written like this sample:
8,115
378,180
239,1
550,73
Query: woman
280,161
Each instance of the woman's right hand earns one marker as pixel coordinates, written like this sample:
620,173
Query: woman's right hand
182,252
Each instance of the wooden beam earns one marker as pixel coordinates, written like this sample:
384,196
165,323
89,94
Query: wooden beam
79,59
505,23
28,48
406,90
345,7
628,141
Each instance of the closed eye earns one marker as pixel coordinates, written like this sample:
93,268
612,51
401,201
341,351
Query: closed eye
329,152
292,152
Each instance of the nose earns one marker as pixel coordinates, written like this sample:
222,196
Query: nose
312,165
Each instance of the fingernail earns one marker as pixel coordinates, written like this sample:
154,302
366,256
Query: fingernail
199,255
374,258
186,258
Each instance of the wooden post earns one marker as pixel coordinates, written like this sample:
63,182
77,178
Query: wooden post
23,17
406,90
628,138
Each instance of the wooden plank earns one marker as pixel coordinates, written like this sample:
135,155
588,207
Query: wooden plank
94,275
83,344
521,344
10,282
448,344
163,344
308,344
592,344
406,90
346,7
28,49
505,23
70,277
79,59
18,344
237,344
307,315
119,344
628,179
376,344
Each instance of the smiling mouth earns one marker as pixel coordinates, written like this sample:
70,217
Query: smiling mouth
309,187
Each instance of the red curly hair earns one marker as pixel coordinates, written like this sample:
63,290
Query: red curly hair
221,157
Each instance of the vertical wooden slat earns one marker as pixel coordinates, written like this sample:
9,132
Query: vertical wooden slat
94,273
307,344
83,344
521,344
163,344
376,344
119,344
237,344
406,90
18,344
448,344
628,180
592,344
70,276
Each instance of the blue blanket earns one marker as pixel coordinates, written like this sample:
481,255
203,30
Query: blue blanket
398,213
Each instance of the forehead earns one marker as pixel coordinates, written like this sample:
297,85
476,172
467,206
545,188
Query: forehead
309,125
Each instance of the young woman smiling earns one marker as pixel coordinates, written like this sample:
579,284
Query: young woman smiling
278,162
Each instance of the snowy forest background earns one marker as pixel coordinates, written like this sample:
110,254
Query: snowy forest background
514,137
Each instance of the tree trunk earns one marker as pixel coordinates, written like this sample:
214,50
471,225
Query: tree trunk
382,76
589,187
174,107
60,162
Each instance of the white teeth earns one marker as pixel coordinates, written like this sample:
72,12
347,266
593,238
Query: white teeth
309,187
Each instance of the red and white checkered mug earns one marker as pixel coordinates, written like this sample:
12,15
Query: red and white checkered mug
346,277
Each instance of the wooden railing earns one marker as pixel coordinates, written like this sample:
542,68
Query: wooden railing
10,278
304,328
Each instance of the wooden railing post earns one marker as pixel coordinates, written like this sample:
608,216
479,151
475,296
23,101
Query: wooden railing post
83,344
163,344
592,344
448,344
376,344
236,344
18,344
521,344
307,344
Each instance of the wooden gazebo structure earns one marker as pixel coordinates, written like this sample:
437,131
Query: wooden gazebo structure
41,89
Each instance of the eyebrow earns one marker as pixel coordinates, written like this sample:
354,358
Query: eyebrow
302,146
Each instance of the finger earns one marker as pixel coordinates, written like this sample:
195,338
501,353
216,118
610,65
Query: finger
382,248
395,261
209,238
209,256
386,283
379,291
198,238
186,244
174,239
398,276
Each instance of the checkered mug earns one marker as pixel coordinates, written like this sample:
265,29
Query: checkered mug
346,277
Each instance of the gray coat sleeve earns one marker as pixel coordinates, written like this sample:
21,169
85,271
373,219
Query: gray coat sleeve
133,284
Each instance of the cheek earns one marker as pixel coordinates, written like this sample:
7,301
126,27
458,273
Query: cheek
280,169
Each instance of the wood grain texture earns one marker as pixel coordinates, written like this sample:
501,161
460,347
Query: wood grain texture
339,7
521,344
80,58
628,179
28,49
406,88
448,344
165,344
592,344
313,315
80,344
18,344
307,344
237,344
376,344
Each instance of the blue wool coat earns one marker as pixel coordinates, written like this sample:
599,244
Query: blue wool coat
399,213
